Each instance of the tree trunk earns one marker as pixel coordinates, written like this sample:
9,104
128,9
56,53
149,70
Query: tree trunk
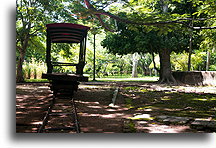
208,60
20,77
142,66
165,67
135,63
22,50
153,60
190,50
164,54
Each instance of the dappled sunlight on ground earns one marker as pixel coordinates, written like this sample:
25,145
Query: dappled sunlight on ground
135,110
31,104
155,128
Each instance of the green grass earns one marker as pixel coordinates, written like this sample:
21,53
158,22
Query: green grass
173,103
119,78
129,79
36,80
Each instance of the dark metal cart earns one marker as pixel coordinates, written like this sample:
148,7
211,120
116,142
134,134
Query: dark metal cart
66,33
63,85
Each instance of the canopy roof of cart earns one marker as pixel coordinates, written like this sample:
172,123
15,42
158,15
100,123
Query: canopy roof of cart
66,32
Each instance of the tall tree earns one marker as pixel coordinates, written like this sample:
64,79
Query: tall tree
31,18
142,41
143,13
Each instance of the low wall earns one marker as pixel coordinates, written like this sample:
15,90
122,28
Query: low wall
196,77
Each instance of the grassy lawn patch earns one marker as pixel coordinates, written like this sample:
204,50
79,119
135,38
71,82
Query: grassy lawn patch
36,80
172,103
129,79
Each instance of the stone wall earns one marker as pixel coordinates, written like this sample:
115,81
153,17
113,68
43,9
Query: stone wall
196,77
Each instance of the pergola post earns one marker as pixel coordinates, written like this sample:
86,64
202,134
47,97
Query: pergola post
84,52
48,53
81,64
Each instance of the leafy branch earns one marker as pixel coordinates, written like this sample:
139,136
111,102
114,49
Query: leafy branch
99,13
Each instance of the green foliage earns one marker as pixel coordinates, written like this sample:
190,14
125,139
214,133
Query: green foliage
130,41
36,49
65,53
208,39
179,61
198,58
32,16
33,69
212,66
147,39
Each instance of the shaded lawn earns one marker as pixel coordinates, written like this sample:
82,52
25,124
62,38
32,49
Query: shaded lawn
169,103
128,79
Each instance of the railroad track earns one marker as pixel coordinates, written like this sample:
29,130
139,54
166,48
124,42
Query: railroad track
61,116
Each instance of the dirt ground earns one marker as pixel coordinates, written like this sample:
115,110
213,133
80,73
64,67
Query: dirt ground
97,114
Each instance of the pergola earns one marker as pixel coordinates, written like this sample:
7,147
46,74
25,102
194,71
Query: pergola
66,33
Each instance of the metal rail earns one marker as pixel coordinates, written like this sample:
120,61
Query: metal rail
50,113
45,120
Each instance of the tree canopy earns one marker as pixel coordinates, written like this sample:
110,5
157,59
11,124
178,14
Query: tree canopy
144,26
142,12
160,38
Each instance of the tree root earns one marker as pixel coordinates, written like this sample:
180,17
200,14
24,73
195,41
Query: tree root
168,80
